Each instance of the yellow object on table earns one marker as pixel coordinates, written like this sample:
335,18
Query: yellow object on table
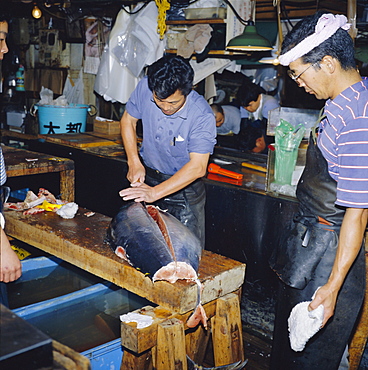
49,206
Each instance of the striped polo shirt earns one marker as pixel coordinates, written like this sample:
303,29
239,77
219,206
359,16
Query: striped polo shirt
343,140
2,168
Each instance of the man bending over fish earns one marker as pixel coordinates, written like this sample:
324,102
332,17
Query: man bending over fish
179,132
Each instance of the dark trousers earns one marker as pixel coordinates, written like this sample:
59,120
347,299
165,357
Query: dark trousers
3,294
324,350
187,205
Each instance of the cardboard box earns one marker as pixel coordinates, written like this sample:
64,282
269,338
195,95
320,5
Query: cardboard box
106,126
205,13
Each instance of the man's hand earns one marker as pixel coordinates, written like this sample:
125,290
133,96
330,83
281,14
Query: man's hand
140,192
326,297
136,174
10,266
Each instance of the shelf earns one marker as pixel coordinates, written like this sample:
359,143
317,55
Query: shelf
197,21
212,52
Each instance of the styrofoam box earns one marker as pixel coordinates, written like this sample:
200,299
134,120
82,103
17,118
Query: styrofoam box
15,118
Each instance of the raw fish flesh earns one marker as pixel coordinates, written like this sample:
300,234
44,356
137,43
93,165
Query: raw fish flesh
157,244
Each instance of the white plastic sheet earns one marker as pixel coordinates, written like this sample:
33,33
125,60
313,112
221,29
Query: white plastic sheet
74,89
114,80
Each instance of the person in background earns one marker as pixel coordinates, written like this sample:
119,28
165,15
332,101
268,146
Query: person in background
332,192
179,134
10,265
227,119
255,104
253,139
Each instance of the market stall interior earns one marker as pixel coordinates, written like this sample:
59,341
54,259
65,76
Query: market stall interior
69,72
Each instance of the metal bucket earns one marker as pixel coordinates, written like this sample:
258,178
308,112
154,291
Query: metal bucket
53,119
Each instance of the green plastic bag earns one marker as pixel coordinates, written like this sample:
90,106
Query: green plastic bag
287,141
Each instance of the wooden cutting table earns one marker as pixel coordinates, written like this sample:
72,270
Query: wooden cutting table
80,241
20,162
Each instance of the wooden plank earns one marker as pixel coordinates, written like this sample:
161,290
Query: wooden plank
80,241
116,151
83,140
20,162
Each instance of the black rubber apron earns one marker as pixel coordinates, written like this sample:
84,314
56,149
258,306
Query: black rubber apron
187,205
316,193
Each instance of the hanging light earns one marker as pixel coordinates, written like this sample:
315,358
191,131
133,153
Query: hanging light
274,59
249,40
36,12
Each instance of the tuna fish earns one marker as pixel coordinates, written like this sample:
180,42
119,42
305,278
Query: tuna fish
157,244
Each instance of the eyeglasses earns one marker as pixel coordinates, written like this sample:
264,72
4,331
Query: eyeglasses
291,74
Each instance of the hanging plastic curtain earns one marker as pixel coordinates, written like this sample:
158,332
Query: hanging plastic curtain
121,65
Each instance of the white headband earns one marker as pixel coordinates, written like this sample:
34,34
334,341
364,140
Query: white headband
326,26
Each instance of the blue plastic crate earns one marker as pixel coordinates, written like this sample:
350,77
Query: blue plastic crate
71,318
108,356
19,194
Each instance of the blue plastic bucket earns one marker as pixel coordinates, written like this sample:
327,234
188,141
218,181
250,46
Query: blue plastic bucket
53,119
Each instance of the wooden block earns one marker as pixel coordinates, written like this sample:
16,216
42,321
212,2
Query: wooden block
80,241
106,127
227,331
170,351
140,340
132,361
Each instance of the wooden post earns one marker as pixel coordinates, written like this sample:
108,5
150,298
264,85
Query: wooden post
351,15
196,342
170,350
227,331
67,185
359,340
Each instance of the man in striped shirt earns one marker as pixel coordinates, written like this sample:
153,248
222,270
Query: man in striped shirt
320,56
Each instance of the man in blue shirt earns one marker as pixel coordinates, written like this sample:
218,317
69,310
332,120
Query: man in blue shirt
179,134
227,119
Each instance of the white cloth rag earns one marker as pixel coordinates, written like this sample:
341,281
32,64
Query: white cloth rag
142,320
68,210
303,324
